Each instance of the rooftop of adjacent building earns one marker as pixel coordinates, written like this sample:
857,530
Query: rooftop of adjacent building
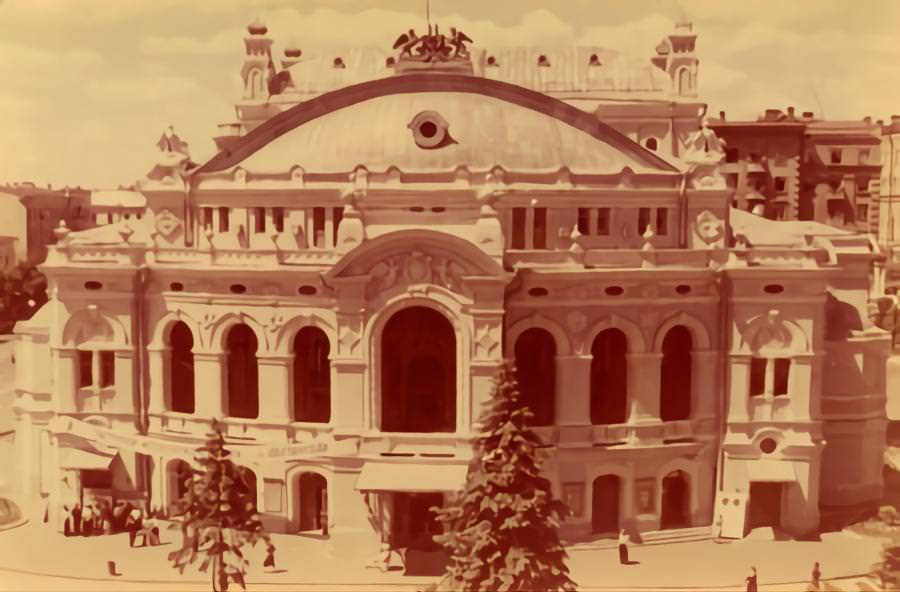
789,119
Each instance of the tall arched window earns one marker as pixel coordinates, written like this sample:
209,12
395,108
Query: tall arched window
536,373
609,378
675,378
418,372
312,376
181,376
243,383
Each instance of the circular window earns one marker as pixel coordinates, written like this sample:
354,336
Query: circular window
176,286
614,291
538,292
429,130
92,285
768,445
238,288
773,289
683,289
307,290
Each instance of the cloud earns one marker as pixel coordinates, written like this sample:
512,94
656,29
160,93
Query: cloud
222,43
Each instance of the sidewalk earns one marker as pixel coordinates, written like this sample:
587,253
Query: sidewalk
30,554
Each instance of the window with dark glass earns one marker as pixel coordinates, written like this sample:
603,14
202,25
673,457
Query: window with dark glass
603,221
278,219
518,228
836,156
85,368
337,216
782,373
107,369
319,227
584,221
731,155
675,378
312,376
181,340
643,220
243,382
223,219
539,235
259,218
535,354
662,221
609,378
780,184
207,218
757,376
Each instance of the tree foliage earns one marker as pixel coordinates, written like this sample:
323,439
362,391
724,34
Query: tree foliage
217,516
501,530
887,570
23,290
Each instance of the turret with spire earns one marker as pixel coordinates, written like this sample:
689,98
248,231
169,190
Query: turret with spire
676,56
258,48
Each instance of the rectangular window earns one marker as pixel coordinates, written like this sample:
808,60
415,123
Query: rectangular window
223,219
259,215
757,376
584,220
319,227
643,220
539,236
518,228
603,221
864,156
835,156
338,215
85,368
278,219
731,155
107,369
782,371
780,183
207,218
862,185
662,221
862,212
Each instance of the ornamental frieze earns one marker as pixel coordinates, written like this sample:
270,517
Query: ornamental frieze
415,268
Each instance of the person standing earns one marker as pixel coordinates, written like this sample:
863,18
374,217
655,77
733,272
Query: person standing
623,547
270,557
87,521
133,523
816,583
751,581
67,525
76,519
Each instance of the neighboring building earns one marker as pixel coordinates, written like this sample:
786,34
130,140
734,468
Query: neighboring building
8,258
342,282
789,167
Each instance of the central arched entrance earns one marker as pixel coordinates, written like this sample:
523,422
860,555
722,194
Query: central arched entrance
605,504
418,372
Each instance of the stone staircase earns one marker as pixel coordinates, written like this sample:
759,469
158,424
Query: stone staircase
656,537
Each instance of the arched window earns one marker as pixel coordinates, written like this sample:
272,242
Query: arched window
311,502
181,377
418,372
676,501
651,144
675,378
605,504
536,373
312,376
243,383
684,81
609,378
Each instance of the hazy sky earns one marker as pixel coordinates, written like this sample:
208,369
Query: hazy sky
89,85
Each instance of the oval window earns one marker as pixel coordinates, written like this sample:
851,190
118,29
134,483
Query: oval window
92,285
538,292
238,288
683,289
307,290
417,209
176,286
773,289
614,291
438,209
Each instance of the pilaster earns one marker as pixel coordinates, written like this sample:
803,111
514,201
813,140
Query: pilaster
275,387
209,370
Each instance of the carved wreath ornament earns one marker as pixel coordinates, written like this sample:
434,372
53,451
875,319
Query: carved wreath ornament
416,268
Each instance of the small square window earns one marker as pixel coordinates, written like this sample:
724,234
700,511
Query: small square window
836,155
780,184
731,155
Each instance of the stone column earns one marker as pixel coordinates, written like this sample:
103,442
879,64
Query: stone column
573,390
704,383
275,388
737,389
643,387
160,382
209,381
65,380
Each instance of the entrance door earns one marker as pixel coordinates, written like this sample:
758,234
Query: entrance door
675,501
311,495
605,504
414,524
765,504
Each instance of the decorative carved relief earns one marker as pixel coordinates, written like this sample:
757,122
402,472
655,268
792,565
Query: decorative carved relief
709,227
167,223
487,339
416,268
274,322
576,321
348,340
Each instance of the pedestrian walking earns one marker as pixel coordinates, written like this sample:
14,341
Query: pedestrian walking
76,519
67,525
816,584
751,582
623,547
270,557
133,523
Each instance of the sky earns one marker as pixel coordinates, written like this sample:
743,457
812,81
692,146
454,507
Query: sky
88,86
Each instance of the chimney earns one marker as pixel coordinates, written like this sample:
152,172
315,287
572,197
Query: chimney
867,119
722,115
790,111
772,114
895,119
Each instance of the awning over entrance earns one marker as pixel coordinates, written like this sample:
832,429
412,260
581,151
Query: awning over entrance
411,478
75,458
771,470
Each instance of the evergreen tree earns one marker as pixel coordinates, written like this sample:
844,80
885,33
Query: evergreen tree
501,530
217,516
887,570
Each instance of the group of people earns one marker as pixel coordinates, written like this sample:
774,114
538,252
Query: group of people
102,517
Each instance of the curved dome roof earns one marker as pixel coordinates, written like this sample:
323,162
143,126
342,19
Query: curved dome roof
491,124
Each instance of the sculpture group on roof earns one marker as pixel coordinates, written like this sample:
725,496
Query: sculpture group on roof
433,46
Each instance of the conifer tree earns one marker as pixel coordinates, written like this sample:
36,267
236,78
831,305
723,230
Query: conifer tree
217,516
501,530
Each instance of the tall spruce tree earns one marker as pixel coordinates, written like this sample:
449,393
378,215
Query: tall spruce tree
217,516
501,530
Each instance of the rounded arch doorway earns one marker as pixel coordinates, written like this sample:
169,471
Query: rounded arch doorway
418,372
